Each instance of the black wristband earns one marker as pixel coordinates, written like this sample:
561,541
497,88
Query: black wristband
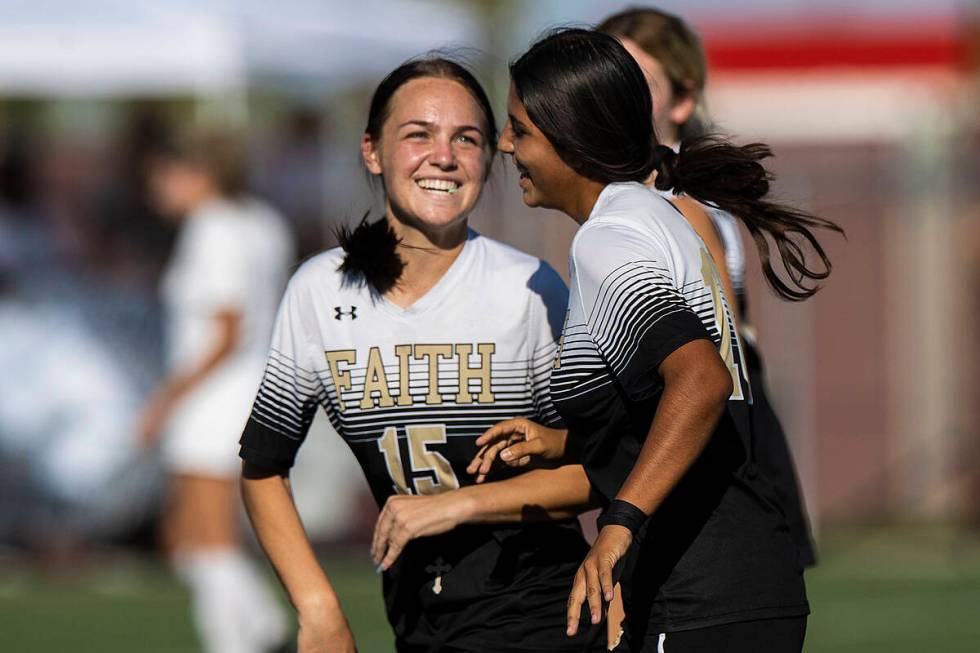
622,513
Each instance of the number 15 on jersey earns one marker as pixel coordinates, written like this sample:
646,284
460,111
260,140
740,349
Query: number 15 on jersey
428,471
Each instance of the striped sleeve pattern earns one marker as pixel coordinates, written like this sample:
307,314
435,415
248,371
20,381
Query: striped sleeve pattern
287,397
635,313
542,363
549,303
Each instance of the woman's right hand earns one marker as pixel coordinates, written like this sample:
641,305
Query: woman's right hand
516,441
325,632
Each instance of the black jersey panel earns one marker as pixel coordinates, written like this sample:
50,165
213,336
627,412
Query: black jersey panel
263,447
500,589
772,454
716,551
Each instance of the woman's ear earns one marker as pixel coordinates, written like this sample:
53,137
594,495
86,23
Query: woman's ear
370,155
684,105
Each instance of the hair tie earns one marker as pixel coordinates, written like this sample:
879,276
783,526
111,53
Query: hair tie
622,513
666,169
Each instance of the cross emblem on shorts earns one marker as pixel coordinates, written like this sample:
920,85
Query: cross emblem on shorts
439,568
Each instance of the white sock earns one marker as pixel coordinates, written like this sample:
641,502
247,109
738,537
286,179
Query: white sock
234,611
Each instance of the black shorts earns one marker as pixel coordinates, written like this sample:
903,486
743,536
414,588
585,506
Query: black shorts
762,636
499,589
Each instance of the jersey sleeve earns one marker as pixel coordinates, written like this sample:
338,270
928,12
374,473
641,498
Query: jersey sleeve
635,313
290,390
549,303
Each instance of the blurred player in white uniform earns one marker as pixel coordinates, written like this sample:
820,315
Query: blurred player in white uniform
220,291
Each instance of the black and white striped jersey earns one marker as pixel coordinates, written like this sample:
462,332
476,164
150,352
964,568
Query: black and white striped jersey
642,286
409,390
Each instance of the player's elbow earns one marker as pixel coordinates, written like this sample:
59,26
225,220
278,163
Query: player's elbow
709,384
718,382
698,372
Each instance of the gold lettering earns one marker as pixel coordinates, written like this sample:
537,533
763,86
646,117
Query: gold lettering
404,353
710,275
432,353
481,373
376,381
341,378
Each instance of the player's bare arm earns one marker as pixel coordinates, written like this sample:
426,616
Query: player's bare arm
269,502
539,494
696,386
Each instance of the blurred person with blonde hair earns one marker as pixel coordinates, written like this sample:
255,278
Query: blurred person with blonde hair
220,291
672,58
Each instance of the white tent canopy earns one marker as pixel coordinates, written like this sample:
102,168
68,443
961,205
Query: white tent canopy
139,47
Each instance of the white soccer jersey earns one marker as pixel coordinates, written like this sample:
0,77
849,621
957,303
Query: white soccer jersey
731,239
643,284
229,256
410,389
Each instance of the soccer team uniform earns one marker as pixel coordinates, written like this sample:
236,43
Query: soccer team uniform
229,256
772,453
410,390
718,550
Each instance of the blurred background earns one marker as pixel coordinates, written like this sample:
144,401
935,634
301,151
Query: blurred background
870,105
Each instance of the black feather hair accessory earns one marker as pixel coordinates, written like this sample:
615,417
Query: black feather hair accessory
371,254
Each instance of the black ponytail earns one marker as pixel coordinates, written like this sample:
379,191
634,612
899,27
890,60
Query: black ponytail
715,172
588,96
370,254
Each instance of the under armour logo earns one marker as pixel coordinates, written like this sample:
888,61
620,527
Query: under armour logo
439,568
340,313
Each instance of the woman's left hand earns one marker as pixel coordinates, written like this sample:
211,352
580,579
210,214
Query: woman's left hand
594,579
406,517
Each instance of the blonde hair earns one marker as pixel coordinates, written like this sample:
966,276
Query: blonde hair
669,40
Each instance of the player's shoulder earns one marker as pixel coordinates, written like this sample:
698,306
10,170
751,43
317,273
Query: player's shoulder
509,260
220,214
513,268
265,214
628,217
319,273
238,220
623,199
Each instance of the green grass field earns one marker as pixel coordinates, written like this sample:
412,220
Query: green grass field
894,591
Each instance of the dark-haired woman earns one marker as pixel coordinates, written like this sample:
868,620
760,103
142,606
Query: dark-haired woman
416,337
650,377
672,58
